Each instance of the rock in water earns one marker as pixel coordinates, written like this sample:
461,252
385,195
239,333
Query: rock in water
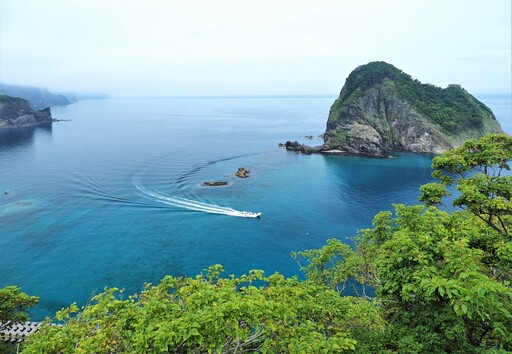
242,173
16,112
214,183
382,109
305,149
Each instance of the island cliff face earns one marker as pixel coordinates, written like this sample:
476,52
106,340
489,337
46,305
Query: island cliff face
381,110
16,112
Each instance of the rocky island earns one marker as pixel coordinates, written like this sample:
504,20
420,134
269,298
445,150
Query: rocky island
382,110
16,112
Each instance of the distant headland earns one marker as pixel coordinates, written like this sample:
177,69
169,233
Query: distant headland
22,106
16,112
382,110
39,98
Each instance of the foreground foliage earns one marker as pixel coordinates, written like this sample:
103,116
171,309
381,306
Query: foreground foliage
213,314
443,280
14,305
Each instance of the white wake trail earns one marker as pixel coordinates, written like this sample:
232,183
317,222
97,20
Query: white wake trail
189,204
185,203
206,205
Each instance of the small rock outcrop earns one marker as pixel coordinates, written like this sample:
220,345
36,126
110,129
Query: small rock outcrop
382,109
242,173
305,149
16,112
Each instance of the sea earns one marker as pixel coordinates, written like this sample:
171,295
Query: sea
112,195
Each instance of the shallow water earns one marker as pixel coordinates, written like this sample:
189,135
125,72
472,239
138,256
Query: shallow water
113,197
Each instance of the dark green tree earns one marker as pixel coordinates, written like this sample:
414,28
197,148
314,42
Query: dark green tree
14,305
478,169
434,280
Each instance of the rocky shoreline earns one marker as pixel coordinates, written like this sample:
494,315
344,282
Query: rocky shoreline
306,149
295,146
302,148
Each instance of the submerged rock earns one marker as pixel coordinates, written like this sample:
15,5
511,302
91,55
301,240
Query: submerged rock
214,184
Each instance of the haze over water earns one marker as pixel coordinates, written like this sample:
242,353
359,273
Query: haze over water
113,197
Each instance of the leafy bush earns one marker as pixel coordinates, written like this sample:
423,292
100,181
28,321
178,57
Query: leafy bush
210,314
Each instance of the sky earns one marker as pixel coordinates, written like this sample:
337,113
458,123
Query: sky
237,47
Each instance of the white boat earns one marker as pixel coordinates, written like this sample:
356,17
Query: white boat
248,214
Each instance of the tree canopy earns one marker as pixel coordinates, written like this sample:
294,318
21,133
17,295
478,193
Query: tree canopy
14,305
210,314
478,169
442,280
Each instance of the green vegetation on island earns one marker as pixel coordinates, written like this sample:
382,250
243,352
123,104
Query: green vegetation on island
9,99
453,108
421,280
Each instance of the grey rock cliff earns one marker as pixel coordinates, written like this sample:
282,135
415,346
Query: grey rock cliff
382,110
16,112
373,125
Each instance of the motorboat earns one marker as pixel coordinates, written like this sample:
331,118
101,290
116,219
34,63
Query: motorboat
248,214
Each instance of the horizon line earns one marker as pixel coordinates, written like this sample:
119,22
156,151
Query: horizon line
483,94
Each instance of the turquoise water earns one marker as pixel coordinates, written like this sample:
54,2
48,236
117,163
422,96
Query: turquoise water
113,197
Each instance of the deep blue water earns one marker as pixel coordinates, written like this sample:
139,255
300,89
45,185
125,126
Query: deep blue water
113,197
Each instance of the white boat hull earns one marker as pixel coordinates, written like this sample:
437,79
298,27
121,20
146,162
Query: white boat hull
247,214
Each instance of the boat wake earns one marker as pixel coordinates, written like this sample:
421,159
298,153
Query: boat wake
190,204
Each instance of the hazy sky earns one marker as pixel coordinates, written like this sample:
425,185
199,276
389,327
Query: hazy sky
224,47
